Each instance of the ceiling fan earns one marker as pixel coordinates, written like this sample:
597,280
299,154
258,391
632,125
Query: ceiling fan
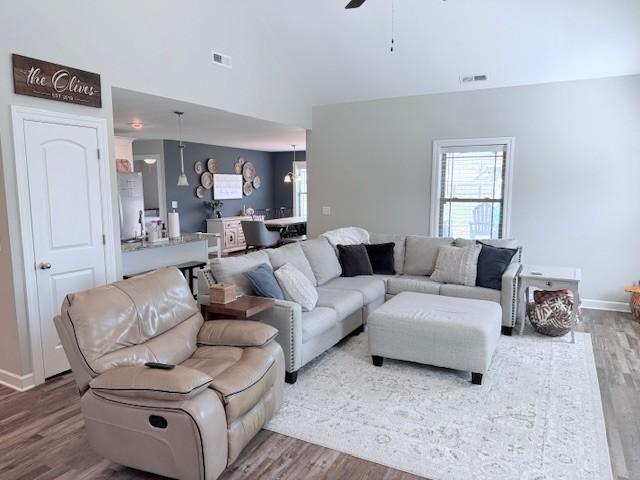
354,3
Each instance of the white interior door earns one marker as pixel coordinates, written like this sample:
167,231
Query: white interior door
66,215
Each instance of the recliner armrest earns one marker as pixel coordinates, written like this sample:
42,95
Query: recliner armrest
180,383
236,333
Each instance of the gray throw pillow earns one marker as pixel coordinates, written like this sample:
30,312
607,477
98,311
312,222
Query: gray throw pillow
457,265
264,282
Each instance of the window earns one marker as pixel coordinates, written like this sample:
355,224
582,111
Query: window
300,189
471,188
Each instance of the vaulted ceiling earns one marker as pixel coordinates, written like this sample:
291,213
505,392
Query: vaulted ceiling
343,55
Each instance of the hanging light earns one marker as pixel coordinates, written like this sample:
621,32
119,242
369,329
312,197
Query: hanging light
150,161
290,176
182,178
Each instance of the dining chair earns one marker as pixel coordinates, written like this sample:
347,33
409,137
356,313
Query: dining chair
256,235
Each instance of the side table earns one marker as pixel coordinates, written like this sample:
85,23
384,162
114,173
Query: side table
241,308
548,278
634,301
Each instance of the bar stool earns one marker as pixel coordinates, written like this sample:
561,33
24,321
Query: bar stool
187,269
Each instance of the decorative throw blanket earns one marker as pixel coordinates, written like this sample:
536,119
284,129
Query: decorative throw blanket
347,236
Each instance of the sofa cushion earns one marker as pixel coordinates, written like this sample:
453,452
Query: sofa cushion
296,287
354,260
322,259
344,302
492,263
264,282
464,291
412,283
381,257
231,269
398,249
457,265
421,254
180,383
293,255
370,288
317,321
241,376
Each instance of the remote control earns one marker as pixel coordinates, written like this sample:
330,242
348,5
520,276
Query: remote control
161,366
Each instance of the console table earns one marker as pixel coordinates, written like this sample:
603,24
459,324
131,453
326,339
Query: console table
230,230
548,278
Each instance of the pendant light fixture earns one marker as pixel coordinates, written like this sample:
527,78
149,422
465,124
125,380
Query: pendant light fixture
290,177
182,178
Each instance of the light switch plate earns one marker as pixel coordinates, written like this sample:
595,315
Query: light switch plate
326,210
174,204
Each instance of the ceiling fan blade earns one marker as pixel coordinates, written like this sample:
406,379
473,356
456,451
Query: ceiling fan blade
354,3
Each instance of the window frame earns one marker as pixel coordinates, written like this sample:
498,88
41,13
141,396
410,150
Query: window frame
436,177
299,165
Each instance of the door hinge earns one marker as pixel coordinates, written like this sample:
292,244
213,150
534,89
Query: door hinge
98,154
104,239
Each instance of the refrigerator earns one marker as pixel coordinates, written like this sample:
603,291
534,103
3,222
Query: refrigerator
131,205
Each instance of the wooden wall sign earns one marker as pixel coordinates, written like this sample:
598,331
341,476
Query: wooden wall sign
41,79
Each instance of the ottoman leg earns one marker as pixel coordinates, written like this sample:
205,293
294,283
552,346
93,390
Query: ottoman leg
476,378
377,361
507,331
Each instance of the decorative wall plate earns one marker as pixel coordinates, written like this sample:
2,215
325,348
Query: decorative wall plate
241,160
200,191
237,168
247,188
249,171
212,165
198,167
206,180
257,182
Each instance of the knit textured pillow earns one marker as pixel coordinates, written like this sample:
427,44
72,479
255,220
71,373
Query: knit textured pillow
457,265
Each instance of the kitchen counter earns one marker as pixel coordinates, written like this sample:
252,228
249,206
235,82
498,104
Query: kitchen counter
135,246
139,258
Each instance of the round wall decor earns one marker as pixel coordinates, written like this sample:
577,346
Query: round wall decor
212,165
237,168
206,180
249,171
198,167
247,188
257,182
200,191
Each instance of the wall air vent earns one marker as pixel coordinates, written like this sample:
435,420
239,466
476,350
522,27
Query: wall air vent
472,78
221,59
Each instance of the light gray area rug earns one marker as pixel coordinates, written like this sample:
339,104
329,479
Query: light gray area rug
537,416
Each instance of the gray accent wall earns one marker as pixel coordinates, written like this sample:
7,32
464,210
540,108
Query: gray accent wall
576,169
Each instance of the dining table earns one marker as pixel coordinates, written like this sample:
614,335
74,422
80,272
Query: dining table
282,224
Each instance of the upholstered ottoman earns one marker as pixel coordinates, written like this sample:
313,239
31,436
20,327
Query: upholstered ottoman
449,332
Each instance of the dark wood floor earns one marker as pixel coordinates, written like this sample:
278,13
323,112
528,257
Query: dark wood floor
42,435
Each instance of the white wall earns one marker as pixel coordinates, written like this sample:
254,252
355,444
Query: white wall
576,172
160,47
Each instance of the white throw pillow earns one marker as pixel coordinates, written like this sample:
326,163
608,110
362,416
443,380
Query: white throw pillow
297,287
457,265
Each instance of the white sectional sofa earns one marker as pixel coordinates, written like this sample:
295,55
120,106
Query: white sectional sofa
344,303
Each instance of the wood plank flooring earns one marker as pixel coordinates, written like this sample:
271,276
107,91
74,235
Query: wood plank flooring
42,435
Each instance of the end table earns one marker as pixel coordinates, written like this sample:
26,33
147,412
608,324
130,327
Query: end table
634,301
548,278
241,308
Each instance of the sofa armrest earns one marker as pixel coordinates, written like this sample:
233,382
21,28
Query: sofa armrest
180,383
236,333
509,296
286,317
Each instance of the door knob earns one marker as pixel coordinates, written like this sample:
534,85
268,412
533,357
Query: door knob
45,266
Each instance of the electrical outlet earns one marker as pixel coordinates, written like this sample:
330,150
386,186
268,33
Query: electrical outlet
174,204
326,210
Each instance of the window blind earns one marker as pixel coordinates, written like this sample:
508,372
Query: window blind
472,182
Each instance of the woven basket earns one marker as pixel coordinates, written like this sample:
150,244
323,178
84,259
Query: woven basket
552,316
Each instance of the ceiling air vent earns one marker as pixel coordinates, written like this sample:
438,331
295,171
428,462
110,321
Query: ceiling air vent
472,78
221,59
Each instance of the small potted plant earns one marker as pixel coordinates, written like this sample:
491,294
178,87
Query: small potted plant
213,207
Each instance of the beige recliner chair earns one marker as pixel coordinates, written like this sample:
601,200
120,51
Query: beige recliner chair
189,422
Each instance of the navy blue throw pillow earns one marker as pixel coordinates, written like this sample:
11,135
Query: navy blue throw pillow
381,257
264,282
492,263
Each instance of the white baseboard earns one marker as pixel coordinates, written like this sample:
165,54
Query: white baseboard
605,305
20,383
